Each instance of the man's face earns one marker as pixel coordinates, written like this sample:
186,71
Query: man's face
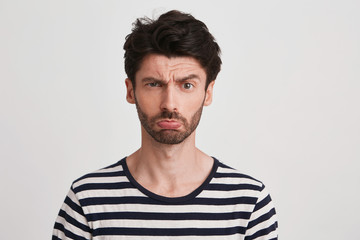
169,96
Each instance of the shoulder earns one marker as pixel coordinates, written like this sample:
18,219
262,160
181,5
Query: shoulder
230,176
236,187
103,178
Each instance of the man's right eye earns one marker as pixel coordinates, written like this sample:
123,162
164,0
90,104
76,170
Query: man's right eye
153,84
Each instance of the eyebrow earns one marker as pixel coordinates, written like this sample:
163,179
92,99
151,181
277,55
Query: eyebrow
189,77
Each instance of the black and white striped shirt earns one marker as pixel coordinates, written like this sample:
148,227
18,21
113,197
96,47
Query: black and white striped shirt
109,204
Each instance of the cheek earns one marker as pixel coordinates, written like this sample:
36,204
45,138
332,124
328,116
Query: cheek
192,105
148,104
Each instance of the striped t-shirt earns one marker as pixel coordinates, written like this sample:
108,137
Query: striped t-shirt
109,204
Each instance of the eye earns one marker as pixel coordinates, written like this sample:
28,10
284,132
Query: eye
153,84
188,85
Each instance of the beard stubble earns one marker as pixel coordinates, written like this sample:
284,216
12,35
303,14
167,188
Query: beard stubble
169,136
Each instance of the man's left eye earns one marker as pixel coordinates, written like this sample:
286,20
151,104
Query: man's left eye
187,85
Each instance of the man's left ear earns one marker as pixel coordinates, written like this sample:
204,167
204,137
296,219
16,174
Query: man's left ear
209,93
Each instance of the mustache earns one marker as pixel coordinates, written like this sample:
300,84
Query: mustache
169,115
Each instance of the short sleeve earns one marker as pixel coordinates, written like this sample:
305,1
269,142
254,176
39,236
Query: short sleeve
263,222
71,222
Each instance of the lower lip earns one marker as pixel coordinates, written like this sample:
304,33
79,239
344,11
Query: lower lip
169,124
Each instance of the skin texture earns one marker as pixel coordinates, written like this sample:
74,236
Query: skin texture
169,96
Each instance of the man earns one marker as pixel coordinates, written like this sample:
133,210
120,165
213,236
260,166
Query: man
168,189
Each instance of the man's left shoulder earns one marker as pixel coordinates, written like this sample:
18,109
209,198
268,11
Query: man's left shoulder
231,176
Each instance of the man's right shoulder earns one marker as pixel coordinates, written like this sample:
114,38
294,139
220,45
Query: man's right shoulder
104,178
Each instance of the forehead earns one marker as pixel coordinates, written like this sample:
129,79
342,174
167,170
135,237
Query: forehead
163,67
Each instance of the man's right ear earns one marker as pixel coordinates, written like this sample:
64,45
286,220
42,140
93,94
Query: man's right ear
130,95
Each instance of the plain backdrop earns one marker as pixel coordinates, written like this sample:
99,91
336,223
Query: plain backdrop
285,110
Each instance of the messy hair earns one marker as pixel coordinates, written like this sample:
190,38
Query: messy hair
173,34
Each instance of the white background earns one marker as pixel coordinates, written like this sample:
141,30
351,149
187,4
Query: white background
286,107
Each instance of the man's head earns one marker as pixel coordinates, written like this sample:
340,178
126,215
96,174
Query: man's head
173,34
169,96
173,62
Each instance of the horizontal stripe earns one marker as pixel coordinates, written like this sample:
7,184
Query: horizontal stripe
231,187
121,237
136,193
168,216
103,173
144,200
168,208
168,232
110,193
228,194
92,186
108,179
233,180
165,223
233,174
225,169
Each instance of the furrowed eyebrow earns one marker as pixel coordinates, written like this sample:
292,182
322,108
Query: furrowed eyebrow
151,79
190,77
184,79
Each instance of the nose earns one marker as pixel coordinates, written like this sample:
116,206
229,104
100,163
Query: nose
168,99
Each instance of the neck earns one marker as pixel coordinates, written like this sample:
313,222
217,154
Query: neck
169,170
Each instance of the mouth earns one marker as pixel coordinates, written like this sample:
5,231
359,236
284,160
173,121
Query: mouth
168,124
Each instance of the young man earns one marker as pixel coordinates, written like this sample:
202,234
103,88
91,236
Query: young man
168,189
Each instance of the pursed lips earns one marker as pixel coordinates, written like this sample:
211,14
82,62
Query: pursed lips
168,124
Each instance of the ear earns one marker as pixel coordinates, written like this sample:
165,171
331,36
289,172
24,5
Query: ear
130,95
209,94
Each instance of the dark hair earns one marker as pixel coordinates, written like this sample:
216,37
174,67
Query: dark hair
173,34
